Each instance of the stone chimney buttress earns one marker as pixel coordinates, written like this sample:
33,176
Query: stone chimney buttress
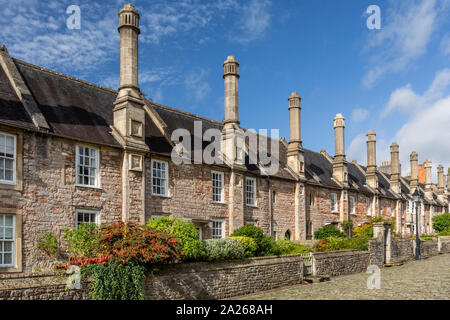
340,172
296,158
371,173
395,168
428,184
414,158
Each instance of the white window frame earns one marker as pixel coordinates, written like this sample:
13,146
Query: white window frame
222,229
422,209
97,166
334,200
12,241
87,211
166,179
351,205
252,192
3,181
213,188
368,207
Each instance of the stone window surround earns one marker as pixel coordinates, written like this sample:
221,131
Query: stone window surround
89,211
351,205
14,158
254,204
222,195
167,193
18,241
18,174
222,227
98,180
334,209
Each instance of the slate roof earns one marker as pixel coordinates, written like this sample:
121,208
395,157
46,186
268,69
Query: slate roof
82,111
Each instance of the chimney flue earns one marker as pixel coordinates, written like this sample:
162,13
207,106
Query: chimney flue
231,77
414,158
371,175
295,150
440,171
395,168
129,32
340,172
428,166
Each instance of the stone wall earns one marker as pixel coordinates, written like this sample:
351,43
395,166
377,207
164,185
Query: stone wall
402,250
428,249
340,262
444,244
45,286
224,279
376,252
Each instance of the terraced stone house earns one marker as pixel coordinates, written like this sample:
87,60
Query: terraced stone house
72,152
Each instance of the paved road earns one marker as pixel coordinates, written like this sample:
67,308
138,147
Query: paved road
425,279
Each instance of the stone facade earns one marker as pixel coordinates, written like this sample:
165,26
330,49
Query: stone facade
49,114
340,263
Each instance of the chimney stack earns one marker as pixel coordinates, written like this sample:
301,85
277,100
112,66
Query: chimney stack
440,171
295,150
414,158
395,168
232,134
128,112
231,77
428,184
340,172
371,173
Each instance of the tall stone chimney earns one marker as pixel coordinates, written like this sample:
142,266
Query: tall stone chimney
428,184
371,173
296,159
231,77
232,134
129,114
129,118
440,171
340,172
395,168
414,158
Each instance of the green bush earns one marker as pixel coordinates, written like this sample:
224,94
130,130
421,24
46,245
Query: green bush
444,234
249,244
290,247
223,249
328,231
48,243
116,281
266,244
83,240
185,231
442,222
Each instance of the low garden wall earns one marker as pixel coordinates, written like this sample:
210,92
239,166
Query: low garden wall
201,280
224,279
339,263
44,286
428,248
444,244
402,250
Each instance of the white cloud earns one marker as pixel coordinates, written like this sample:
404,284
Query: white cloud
426,129
359,115
196,87
445,44
254,21
402,39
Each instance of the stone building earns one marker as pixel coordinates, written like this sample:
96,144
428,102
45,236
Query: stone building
72,152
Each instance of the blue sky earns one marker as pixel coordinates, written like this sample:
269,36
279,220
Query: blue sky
395,80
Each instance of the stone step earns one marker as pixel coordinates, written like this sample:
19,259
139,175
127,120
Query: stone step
316,279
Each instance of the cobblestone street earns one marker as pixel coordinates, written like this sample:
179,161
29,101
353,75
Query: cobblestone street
425,279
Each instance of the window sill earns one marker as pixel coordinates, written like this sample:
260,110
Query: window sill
251,205
161,196
219,203
334,212
88,187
